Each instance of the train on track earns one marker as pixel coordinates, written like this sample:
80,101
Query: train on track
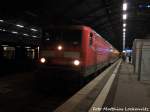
73,52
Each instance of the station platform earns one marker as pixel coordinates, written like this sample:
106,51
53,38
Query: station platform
122,92
130,92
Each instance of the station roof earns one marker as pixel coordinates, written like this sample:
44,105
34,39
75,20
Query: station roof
104,16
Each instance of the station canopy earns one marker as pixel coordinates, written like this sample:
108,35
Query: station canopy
104,16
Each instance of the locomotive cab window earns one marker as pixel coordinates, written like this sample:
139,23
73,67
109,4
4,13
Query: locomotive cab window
65,36
91,39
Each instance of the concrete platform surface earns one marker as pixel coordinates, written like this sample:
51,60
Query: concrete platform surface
131,93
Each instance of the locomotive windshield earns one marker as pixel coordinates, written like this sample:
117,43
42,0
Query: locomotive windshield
71,37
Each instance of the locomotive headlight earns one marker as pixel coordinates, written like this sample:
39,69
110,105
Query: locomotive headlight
76,62
42,60
59,47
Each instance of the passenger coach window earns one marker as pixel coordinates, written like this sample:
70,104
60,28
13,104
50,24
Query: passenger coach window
91,39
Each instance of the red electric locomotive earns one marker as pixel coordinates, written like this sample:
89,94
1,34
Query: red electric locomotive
74,52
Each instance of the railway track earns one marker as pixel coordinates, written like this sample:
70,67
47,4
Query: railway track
18,94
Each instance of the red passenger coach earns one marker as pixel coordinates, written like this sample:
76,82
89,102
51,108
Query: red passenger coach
74,52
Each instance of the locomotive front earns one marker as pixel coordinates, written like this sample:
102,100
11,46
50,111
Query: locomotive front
60,52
